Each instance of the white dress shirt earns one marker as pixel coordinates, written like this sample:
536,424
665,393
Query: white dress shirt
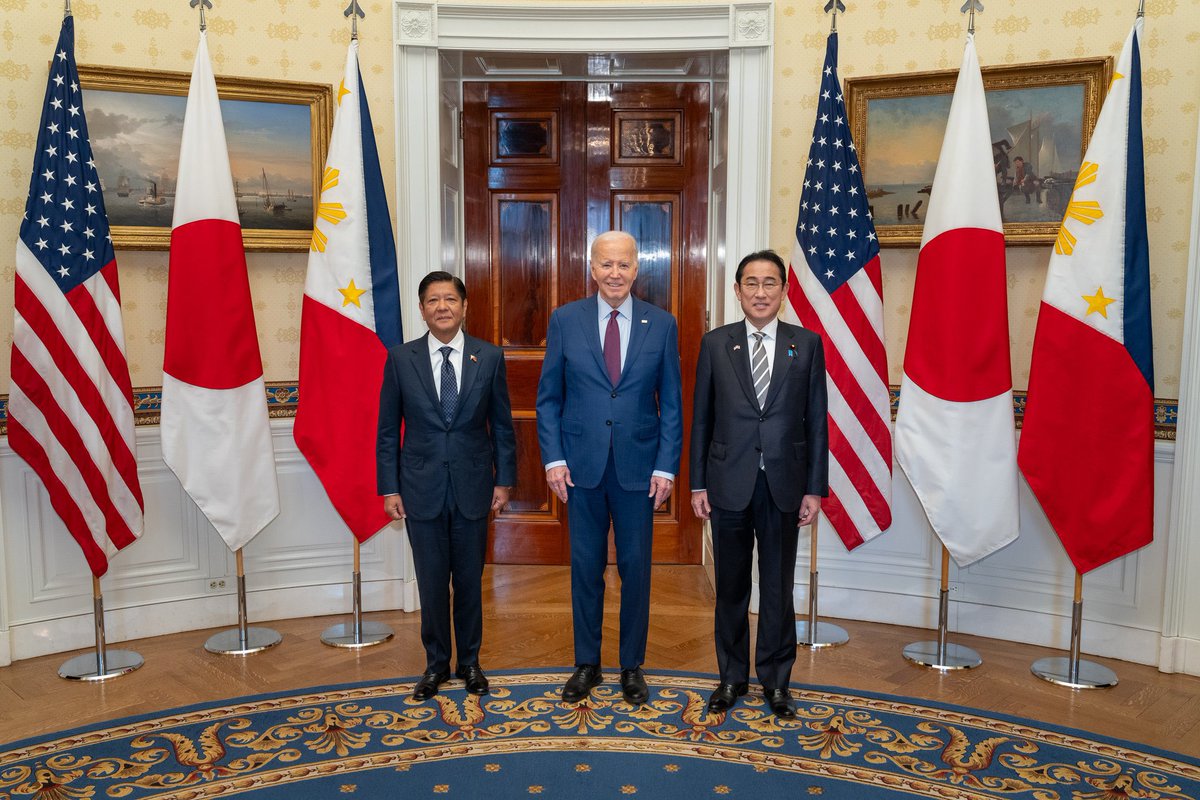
456,358
770,329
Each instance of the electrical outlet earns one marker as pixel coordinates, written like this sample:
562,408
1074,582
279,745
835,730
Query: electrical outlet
217,585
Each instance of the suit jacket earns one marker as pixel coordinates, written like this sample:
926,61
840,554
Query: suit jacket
729,431
581,416
476,451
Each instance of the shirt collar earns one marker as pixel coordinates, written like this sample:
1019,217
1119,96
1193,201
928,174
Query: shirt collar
624,310
456,343
769,329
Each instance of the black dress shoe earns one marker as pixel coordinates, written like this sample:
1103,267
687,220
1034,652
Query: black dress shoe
633,686
725,696
472,674
781,703
427,687
580,685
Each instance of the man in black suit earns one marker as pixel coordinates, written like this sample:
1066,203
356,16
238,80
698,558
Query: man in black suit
455,462
759,468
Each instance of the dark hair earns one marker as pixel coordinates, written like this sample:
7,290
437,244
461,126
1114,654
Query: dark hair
439,276
762,255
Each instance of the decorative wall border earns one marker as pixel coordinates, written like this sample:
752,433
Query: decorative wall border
284,396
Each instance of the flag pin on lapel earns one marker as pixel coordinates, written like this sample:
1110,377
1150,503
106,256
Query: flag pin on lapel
737,347
645,322
473,358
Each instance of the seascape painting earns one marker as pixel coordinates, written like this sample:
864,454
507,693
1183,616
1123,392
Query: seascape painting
1037,147
1041,118
136,142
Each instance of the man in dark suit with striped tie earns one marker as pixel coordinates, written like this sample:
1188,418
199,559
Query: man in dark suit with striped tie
455,463
759,468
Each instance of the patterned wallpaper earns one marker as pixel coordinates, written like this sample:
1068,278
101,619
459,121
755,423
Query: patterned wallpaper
306,40
894,36
299,40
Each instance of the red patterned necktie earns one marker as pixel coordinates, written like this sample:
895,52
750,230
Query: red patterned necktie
612,349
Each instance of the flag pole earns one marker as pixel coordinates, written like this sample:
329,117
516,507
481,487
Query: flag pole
1141,8
942,654
834,6
358,633
104,663
242,640
970,7
66,8
810,632
1072,671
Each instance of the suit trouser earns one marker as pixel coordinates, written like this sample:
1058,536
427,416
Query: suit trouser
734,533
449,549
632,516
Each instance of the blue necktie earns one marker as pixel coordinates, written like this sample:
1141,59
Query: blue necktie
449,386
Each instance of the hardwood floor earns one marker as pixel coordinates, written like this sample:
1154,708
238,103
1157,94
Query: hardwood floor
528,623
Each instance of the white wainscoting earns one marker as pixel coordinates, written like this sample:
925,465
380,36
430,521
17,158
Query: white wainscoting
1021,593
179,575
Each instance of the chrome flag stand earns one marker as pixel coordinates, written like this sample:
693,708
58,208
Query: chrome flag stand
358,633
242,640
810,632
104,663
1074,672
941,654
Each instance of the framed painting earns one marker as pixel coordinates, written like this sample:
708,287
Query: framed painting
1041,115
277,133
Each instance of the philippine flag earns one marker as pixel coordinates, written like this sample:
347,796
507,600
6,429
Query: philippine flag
351,315
1087,445
215,433
955,433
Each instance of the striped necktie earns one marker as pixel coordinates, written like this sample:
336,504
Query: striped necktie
760,369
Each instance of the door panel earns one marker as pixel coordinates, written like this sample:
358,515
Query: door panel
547,167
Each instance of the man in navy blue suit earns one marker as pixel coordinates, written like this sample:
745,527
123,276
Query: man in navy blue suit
455,463
610,426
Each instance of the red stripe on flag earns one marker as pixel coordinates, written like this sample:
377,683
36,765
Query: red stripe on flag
36,389
839,372
341,371
958,329
1087,442
28,448
97,327
847,531
860,478
65,360
211,339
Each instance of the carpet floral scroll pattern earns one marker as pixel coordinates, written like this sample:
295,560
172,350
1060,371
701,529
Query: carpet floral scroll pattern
343,738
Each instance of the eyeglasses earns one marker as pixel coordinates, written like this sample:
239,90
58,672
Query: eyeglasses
769,285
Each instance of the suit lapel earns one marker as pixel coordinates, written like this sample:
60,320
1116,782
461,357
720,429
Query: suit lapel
785,344
739,357
591,331
639,326
419,353
470,369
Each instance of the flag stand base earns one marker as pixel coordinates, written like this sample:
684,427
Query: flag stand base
242,640
103,663
358,633
941,654
810,632
1075,672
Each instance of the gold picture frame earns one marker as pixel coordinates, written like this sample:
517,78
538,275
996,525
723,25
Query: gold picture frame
1036,110
280,127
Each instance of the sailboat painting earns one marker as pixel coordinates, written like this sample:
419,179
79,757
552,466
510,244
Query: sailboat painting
276,150
1041,117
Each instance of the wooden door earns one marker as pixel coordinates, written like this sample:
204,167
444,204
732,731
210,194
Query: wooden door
548,166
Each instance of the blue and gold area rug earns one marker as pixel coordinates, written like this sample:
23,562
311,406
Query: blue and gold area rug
372,741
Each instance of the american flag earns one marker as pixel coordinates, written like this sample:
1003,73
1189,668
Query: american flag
835,288
70,407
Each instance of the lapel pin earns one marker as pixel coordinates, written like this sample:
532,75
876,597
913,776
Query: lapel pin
791,351
645,322
737,347
473,358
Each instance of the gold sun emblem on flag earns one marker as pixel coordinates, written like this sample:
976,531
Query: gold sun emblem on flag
1085,211
330,212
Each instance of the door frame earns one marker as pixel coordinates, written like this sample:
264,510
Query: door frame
424,28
